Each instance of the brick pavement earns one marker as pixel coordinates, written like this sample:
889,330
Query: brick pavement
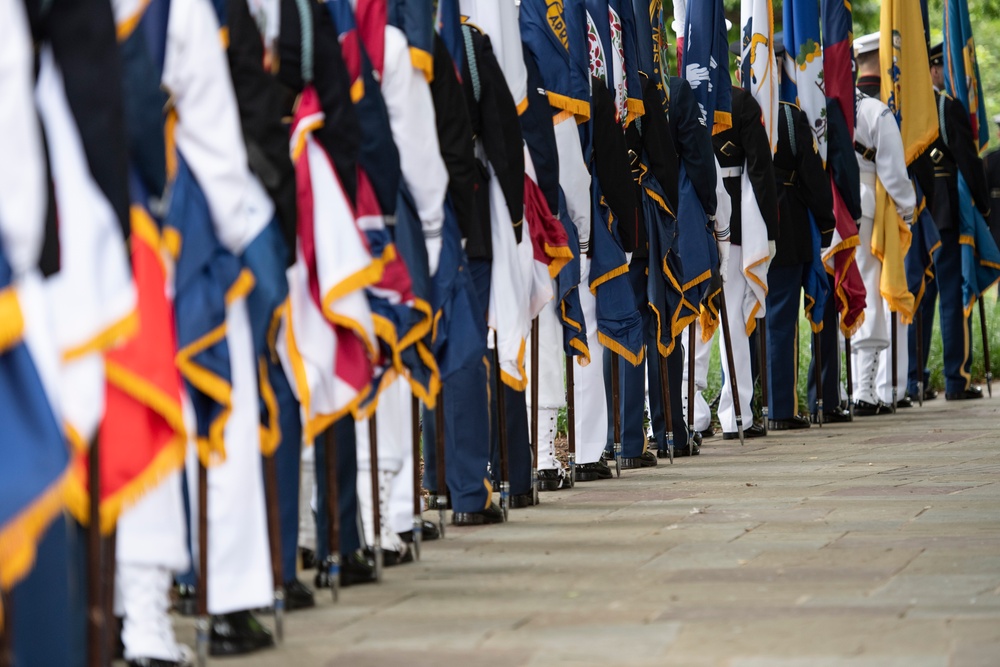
870,544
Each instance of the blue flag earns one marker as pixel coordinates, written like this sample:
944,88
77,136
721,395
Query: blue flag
706,56
980,256
546,32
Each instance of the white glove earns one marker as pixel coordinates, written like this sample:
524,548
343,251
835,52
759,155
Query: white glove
628,258
772,250
433,245
724,259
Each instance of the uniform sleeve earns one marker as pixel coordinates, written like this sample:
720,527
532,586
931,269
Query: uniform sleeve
22,181
759,164
208,130
694,144
813,180
963,146
890,164
412,120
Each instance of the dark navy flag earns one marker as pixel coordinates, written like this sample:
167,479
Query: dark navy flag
33,449
919,259
449,27
416,19
706,59
980,256
663,287
546,33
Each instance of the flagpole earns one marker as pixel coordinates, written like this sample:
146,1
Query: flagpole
502,432
441,496
376,494
534,410
332,513
818,375
108,592
201,592
274,539
986,347
920,357
616,409
418,521
762,358
850,376
96,621
690,388
731,364
6,637
571,420
665,400
892,334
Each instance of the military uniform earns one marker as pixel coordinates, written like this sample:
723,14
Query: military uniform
803,188
952,153
743,146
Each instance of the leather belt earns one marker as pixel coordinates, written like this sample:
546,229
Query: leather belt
864,151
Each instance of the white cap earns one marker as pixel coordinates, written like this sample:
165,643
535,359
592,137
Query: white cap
677,26
866,44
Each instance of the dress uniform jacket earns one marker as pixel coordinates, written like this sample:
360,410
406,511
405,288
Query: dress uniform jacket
803,186
952,153
745,146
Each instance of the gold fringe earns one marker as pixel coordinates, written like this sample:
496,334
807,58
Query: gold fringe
575,107
11,319
19,537
610,275
517,384
423,61
622,351
110,337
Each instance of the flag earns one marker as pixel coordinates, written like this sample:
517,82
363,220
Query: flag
550,246
623,23
838,77
327,343
449,27
920,260
980,256
651,40
760,79
416,19
33,448
664,292
546,33
567,292
803,85
706,56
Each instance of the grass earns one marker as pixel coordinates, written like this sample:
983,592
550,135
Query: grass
935,360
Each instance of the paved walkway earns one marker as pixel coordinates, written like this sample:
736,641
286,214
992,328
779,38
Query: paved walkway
870,544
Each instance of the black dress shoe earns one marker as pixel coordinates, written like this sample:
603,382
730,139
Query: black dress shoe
297,596
645,460
391,557
905,402
589,472
551,479
522,500
682,448
708,432
866,409
238,633
492,514
968,394
836,416
355,569
308,558
156,662
428,533
752,431
790,424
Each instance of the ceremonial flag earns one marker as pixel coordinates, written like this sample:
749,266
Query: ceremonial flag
838,77
546,33
760,79
623,20
328,341
664,292
577,33
980,256
803,85
33,447
706,58
449,27
416,19
651,40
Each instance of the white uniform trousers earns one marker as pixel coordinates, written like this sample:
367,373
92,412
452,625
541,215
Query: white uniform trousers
394,445
551,386
151,545
588,385
883,379
736,289
702,354
307,498
239,560
873,336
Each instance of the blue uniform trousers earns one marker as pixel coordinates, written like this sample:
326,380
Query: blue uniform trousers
519,452
830,343
632,380
287,459
783,303
48,614
956,328
466,422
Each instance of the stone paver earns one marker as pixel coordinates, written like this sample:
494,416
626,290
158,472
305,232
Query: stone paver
873,544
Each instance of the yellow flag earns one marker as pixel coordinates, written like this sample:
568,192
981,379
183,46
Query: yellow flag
906,75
